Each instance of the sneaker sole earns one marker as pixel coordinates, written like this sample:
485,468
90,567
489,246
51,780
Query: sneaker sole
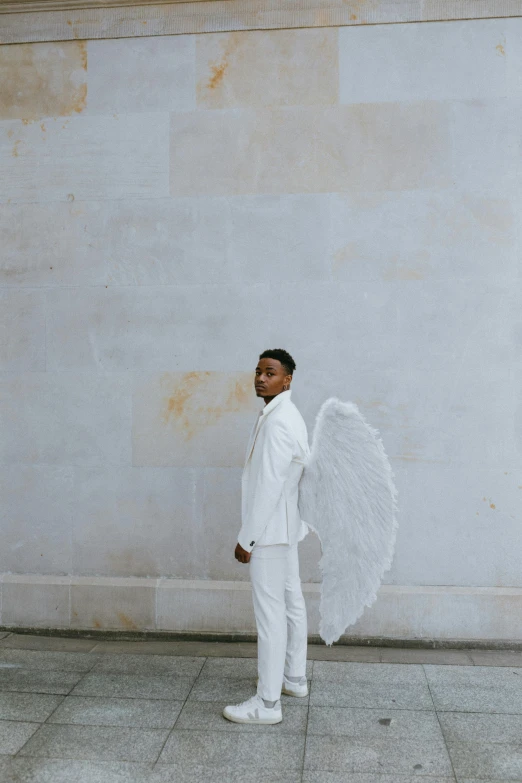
263,721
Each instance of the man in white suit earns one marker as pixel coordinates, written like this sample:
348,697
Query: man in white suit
270,529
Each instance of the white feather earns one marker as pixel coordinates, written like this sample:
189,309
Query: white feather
348,497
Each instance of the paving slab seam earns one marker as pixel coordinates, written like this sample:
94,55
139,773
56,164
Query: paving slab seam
154,764
307,718
96,696
440,725
110,725
480,712
64,696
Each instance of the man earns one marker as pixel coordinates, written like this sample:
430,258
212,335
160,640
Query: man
270,529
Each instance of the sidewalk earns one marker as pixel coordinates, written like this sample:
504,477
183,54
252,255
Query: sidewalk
88,711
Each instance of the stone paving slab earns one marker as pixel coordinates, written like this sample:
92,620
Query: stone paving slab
134,686
480,780
102,743
27,706
485,780
208,716
48,660
161,665
345,754
23,641
219,749
375,724
385,673
241,772
14,735
43,770
486,760
481,727
138,713
34,681
322,776
475,688
390,686
237,669
402,697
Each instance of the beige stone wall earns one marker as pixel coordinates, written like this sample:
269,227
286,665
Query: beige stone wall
170,206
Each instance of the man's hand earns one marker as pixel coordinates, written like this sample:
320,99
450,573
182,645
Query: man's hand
241,554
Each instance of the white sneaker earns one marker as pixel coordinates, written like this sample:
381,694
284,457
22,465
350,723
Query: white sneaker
253,710
295,688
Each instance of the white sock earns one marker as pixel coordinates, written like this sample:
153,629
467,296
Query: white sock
269,703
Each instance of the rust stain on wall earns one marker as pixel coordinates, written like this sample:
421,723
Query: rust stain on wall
200,399
126,621
500,50
42,80
218,71
402,273
82,48
254,68
360,9
81,100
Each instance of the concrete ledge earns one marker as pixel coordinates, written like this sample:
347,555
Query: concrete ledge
223,610
63,20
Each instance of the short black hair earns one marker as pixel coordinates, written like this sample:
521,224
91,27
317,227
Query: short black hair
287,363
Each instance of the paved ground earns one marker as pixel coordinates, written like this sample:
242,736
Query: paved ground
82,711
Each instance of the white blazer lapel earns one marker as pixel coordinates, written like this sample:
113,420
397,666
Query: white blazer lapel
257,426
253,437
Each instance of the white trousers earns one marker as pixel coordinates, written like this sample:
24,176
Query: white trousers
280,613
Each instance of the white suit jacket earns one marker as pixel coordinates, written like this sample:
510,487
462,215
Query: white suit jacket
275,457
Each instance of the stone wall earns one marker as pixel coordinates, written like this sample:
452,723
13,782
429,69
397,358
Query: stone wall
173,205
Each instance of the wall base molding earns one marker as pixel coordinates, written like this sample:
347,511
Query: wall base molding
402,614
26,21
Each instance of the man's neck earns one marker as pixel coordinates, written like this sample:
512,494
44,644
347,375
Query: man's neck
269,399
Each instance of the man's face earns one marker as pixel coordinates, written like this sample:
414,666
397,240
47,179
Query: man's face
270,378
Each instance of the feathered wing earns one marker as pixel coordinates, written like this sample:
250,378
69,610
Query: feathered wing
348,497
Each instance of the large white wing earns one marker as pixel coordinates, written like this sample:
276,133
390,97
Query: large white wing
347,496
